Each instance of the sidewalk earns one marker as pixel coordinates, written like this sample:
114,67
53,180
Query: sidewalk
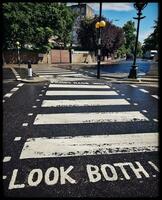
87,69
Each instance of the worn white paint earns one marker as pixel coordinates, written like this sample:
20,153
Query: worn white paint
139,170
89,145
17,138
6,159
94,117
51,170
72,92
12,184
84,102
154,166
123,169
4,177
155,120
72,74
113,174
39,175
14,89
30,114
25,124
20,84
34,106
78,86
8,95
109,172
155,96
143,90
135,86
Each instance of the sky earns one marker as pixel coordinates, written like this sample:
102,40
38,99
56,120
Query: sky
122,12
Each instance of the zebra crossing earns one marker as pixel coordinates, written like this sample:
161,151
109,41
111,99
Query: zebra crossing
91,96
65,74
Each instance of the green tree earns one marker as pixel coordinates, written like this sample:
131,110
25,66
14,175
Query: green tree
35,23
111,36
129,33
152,41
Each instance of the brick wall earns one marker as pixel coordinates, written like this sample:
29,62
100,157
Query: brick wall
10,57
60,56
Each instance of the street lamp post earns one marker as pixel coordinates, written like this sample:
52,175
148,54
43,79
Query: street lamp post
18,55
18,52
99,25
139,7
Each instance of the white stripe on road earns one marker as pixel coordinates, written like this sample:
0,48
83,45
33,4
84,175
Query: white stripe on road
89,145
14,89
84,102
20,84
143,90
74,75
68,92
135,86
155,96
94,117
8,95
77,86
47,76
55,73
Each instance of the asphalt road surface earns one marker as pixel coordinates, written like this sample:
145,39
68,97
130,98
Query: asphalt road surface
76,137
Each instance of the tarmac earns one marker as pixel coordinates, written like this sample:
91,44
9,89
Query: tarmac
152,76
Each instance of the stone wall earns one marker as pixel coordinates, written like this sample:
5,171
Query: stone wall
83,57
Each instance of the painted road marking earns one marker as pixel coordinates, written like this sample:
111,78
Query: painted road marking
135,86
143,90
61,175
77,86
89,145
94,117
6,159
67,92
8,95
25,124
155,120
4,177
84,102
30,114
14,89
20,84
154,166
155,96
17,138
47,76
34,106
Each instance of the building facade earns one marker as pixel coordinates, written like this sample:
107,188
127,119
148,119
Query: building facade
83,10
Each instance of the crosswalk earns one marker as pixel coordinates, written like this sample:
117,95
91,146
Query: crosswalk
88,96
68,75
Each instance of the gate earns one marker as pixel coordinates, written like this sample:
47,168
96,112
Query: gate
60,56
